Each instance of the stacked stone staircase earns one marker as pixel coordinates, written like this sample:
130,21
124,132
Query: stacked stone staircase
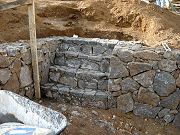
80,73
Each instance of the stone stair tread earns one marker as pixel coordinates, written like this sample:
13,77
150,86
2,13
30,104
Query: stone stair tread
78,72
81,55
82,97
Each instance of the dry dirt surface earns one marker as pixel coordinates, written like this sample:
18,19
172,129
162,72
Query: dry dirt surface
91,121
114,19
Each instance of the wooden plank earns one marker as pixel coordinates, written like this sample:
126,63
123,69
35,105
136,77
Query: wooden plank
33,44
14,4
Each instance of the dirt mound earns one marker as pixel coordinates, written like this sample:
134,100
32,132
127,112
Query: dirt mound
119,19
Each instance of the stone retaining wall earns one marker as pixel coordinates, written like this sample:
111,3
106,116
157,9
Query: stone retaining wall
15,65
143,80
146,81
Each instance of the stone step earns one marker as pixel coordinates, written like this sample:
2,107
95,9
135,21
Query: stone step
79,78
83,61
88,46
80,97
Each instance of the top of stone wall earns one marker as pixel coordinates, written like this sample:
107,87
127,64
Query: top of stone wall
11,49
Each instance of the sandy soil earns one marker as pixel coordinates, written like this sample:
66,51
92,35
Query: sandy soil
91,121
117,19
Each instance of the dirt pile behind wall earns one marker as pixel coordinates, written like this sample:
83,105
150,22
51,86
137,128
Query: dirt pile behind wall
120,19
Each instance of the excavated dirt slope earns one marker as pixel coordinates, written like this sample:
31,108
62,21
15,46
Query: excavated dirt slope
119,19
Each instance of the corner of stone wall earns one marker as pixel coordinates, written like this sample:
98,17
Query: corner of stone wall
146,81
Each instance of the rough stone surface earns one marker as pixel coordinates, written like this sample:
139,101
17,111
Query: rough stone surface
4,75
167,65
171,101
147,55
176,121
138,67
125,56
147,97
117,69
146,110
12,84
129,85
163,112
4,62
25,76
178,81
146,78
168,118
164,84
125,103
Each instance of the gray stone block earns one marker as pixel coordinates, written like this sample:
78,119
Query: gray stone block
146,78
164,84
146,110
125,103
172,101
167,65
129,85
147,97
138,67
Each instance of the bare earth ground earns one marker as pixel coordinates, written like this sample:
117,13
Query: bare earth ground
91,121
119,19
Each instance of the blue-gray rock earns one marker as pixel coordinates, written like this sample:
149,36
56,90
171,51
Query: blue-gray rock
117,69
146,110
138,67
147,55
176,121
163,112
148,97
129,85
171,101
125,55
146,78
164,84
125,103
167,65
168,118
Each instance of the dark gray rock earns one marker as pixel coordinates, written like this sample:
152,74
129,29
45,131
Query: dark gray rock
163,112
138,67
167,65
168,118
117,69
104,66
147,55
176,121
125,103
5,75
164,84
146,110
171,101
129,85
125,56
146,78
147,97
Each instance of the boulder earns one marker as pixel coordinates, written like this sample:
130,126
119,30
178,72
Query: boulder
125,55
171,101
147,55
138,67
125,103
129,85
164,83
146,110
5,75
176,121
146,78
148,97
25,76
117,69
167,65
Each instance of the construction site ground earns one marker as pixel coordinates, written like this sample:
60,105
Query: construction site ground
112,19
91,121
